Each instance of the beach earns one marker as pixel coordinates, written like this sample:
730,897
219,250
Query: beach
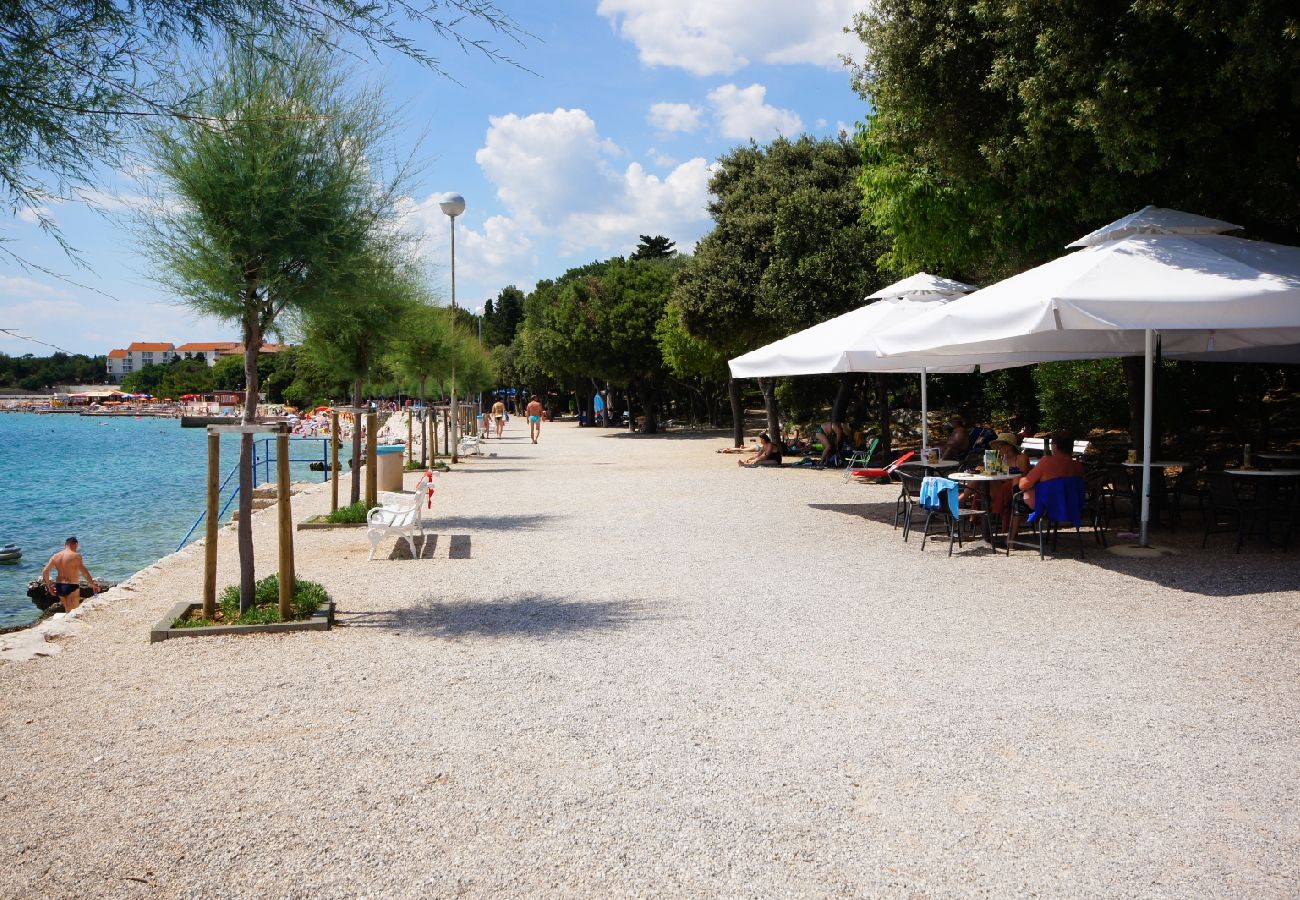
624,666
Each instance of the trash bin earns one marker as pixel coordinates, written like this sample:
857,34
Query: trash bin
388,466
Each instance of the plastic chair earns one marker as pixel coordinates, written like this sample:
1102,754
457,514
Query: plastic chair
861,458
1057,502
887,471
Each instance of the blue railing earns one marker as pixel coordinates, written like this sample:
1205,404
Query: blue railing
263,459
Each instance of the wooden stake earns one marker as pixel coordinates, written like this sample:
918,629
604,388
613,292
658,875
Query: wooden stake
210,543
286,525
334,460
372,440
410,438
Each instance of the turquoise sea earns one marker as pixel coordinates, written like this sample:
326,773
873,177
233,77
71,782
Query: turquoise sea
128,488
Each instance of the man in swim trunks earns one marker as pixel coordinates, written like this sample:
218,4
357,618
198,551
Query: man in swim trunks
71,569
534,411
499,415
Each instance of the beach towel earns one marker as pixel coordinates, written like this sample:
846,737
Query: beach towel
933,490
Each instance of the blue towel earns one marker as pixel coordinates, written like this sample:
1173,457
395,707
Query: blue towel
933,490
1059,500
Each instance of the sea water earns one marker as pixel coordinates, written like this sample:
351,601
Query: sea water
128,488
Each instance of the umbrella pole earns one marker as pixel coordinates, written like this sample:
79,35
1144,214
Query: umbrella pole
925,416
1148,403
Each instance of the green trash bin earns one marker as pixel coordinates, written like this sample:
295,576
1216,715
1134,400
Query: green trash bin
388,466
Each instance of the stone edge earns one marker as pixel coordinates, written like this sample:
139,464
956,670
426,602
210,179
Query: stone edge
321,620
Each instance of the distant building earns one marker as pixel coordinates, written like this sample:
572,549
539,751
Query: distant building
117,363
207,350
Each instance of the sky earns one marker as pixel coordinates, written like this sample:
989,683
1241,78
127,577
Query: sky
607,129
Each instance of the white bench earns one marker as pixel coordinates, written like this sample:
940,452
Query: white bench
1039,445
400,514
468,444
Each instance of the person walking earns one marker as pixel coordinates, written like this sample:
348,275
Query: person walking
499,415
534,411
71,569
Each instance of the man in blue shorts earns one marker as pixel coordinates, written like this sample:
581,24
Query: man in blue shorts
71,569
534,411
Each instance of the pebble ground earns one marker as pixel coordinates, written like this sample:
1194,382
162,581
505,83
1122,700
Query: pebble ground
623,666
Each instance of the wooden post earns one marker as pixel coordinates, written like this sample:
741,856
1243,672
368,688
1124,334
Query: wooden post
410,438
210,543
286,524
372,441
334,460
446,435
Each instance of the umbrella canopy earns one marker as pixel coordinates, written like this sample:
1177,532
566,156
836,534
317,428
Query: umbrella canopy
1208,295
847,343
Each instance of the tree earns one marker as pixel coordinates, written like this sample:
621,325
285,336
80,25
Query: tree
788,249
352,329
657,247
421,347
77,79
274,196
501,319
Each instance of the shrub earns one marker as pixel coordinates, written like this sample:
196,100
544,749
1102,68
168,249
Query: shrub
308,596
354,514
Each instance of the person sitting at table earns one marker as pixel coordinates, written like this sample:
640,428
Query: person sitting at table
982,438
1060,463
1015,461
958,439
767,454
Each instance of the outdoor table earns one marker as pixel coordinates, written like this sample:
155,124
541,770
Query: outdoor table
1263,473
937,467
984,483
1276,456
1271,481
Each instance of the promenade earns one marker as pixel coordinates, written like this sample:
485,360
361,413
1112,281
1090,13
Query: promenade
623,666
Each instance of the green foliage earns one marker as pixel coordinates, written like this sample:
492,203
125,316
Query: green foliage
421,347
1002,131
656,247
308,596
353,514
34,373
1081,395
788,249
228,373
78,78
171,379
501,319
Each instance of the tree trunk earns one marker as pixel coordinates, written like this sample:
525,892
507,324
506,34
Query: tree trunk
842,394
882,412
737,413
649,407
354,492
1133,366
247,567
768,387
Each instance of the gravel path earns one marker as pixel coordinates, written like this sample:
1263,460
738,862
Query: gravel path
626,667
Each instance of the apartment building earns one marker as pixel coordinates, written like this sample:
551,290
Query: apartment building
136,357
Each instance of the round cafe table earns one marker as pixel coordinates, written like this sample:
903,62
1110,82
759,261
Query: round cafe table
1277,456
984,484
1159,490
938,467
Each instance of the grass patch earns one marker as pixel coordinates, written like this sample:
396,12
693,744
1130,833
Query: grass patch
307,597
438,466
354,514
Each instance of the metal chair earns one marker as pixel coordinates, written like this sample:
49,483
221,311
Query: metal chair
1226,509
945,499
905,507
1058,501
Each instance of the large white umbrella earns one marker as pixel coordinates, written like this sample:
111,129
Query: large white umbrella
847,343
1209,296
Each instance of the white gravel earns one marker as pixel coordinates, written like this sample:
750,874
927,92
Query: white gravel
630,668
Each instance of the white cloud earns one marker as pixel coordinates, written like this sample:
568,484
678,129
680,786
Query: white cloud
563,195
662,160
723,36
742,113
34,215
669,117
29,288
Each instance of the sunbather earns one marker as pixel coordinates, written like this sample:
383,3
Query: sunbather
767,454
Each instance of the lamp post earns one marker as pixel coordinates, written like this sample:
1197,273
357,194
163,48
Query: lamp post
453,205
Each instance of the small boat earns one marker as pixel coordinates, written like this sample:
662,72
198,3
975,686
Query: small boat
10,553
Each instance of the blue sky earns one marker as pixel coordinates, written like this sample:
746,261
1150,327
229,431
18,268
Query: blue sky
613,134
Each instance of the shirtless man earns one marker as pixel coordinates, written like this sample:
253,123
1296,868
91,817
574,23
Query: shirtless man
71,570
534,411
499,415
958,439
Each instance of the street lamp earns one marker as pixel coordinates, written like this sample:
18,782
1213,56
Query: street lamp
453,205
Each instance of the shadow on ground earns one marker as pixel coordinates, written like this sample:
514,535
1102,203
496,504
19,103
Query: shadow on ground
1214,572
473,471
539,617
488,523
622,434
